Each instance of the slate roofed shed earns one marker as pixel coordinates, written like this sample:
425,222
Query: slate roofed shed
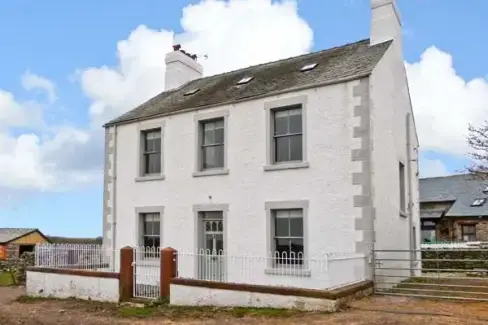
347,62
463,190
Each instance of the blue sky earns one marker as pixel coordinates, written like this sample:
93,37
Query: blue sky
53,54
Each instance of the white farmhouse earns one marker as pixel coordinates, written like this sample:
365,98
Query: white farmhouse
304,156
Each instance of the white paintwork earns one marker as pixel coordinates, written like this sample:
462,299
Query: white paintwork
390,104
40,284
180,69
197,296
326,184
385,21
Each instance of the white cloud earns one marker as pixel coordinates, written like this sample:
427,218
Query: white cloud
444,103
32,81
16,114
233,34
432,168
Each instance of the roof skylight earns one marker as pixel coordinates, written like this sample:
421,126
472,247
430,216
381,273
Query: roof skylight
191,92
245,80
308,67
478,202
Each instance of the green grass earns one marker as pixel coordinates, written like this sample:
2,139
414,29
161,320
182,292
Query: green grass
6,279
162,309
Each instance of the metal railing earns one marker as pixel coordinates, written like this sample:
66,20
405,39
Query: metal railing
433,273
73,256
147,271
291,270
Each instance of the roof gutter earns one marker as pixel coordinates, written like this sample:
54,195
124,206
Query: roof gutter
237,101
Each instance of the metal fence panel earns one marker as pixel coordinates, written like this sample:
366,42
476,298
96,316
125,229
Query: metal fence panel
448,273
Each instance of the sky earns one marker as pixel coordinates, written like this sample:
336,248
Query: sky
67,67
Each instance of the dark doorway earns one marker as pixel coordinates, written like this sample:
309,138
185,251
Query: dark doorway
25,248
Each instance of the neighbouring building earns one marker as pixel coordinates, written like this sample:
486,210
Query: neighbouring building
303,156
16,241
454,208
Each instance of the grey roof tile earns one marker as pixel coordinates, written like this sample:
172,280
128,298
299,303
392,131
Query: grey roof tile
8,234
462,189
353,60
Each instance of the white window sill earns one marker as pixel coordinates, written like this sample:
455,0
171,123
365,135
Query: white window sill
289,165
149,178
211,172
286,271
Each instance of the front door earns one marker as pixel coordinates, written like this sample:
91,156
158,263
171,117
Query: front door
212,260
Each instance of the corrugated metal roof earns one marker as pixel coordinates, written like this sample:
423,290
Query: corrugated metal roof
431,214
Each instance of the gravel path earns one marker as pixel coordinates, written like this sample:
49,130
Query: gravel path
370,311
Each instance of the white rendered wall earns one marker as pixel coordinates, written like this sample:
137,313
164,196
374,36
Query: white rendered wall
326,184
68,286
197,296
389,107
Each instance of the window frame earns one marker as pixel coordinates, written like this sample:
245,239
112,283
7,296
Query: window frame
463,233
142,129
286,269
203,146
402,189
139,229
271,108
274,216
200,120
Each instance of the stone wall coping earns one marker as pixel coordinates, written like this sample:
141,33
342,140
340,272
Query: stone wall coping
334,294
86,273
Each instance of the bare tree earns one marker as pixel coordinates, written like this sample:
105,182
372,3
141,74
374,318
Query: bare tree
478,141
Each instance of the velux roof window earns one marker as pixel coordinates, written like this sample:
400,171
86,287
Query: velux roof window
245,80
191,92
308,67
478,202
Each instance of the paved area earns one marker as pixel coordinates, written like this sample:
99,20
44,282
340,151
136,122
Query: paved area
370,311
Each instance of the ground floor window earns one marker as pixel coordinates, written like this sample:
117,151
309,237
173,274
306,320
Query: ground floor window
288,236
428,236
151,230
468,232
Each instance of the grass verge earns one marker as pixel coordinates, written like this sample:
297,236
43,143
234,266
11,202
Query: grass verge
161,309
6,279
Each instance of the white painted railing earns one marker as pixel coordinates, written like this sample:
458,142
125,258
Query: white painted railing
79,257
292,270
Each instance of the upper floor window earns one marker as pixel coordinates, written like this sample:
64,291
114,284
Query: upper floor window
212,144
287,135
151,152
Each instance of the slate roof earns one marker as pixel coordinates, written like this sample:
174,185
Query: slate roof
350,61
462,189
9,234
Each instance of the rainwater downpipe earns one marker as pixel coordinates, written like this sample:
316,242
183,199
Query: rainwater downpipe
412,245
114,199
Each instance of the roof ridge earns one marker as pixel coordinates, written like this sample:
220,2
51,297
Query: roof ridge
281,60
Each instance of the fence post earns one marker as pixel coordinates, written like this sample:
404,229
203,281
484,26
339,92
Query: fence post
169,269
126,275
